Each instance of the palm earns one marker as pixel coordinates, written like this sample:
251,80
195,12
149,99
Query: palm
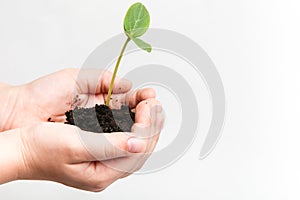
51,96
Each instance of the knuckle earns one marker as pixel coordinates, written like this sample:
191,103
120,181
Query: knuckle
99,187
126,175
98,190
95,182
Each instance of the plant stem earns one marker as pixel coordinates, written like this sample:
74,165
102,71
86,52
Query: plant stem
115,71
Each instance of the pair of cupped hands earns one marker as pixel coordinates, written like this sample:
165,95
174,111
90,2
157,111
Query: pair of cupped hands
37,149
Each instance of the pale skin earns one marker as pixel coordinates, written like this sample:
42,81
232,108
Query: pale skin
32,148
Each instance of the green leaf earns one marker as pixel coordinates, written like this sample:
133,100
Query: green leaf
137,21
143,45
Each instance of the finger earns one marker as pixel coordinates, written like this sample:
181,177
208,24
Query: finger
106,146
113,169
149,122
144,110
108,174
89,100
149,119
134,98
121,85
95,81
122,167
131,98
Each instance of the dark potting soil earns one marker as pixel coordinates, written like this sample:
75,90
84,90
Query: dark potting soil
101,119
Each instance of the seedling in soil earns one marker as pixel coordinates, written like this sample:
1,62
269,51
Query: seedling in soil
107,120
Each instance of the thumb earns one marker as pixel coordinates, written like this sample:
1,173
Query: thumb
106,146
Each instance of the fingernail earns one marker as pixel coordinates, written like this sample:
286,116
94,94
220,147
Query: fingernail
135,145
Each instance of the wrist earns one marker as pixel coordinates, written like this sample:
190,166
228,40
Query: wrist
11,164
11,104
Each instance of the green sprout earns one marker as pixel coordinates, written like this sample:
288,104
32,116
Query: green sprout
136,23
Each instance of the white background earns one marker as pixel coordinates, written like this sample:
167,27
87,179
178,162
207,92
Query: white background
255,46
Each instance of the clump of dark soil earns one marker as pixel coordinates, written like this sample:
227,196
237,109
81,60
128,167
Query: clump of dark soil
101,119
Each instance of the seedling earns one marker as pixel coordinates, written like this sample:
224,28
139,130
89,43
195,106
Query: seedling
136,23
